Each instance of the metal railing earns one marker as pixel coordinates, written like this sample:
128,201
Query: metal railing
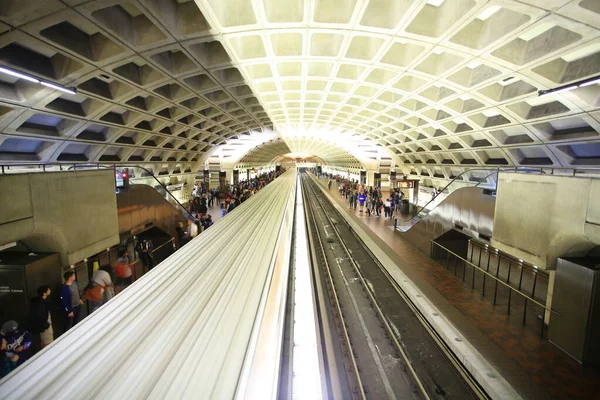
512,261
446,256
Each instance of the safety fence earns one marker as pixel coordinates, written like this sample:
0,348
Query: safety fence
514,287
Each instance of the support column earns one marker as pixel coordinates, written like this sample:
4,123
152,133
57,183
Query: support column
371,178
206,178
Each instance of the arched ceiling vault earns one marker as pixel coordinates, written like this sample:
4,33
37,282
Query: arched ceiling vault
304,147
438,84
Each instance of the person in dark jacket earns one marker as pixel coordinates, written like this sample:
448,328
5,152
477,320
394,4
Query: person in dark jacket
39,320
180,234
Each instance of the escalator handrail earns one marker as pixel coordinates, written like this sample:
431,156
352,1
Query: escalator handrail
450,183
151,175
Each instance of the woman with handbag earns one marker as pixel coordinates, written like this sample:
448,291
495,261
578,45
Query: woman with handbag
100,289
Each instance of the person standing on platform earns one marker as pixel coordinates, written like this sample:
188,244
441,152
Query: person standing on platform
101,278
144,249
39,321
361,200
180,234
123,270
70,300
388,207
192,231
329,184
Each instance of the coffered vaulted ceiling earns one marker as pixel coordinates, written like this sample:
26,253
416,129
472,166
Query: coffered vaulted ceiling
433,84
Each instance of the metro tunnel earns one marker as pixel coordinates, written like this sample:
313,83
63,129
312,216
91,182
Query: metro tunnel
299,199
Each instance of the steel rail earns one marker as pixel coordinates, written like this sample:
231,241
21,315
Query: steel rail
373,301
329,277
444,348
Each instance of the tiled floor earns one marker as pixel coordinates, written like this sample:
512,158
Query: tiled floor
533,366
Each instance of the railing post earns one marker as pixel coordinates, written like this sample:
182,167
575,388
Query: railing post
525,311
508,281
496,287
487,270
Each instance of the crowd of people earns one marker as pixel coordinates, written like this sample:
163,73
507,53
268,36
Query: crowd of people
370,200
228,197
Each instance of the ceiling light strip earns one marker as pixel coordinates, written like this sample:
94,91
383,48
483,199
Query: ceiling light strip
565,88
33,79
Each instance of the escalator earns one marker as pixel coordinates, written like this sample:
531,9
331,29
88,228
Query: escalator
409,219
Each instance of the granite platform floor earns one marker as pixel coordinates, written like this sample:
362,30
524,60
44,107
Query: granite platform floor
532,365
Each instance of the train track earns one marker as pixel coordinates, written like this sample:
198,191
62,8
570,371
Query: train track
389,349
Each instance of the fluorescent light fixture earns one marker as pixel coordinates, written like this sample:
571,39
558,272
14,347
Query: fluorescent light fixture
57,87
567,89
594,82
488,13
435,3
18,75
8,245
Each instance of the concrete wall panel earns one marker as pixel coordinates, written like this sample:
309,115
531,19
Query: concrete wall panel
15,198
71,213
542,217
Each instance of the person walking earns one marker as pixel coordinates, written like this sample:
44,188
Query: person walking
39,321
101,279
361,200
123,271
70,300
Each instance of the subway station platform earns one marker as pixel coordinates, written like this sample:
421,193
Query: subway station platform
532,365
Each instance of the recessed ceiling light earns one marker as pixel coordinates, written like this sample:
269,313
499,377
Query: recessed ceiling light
488,13
490,113
435,3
